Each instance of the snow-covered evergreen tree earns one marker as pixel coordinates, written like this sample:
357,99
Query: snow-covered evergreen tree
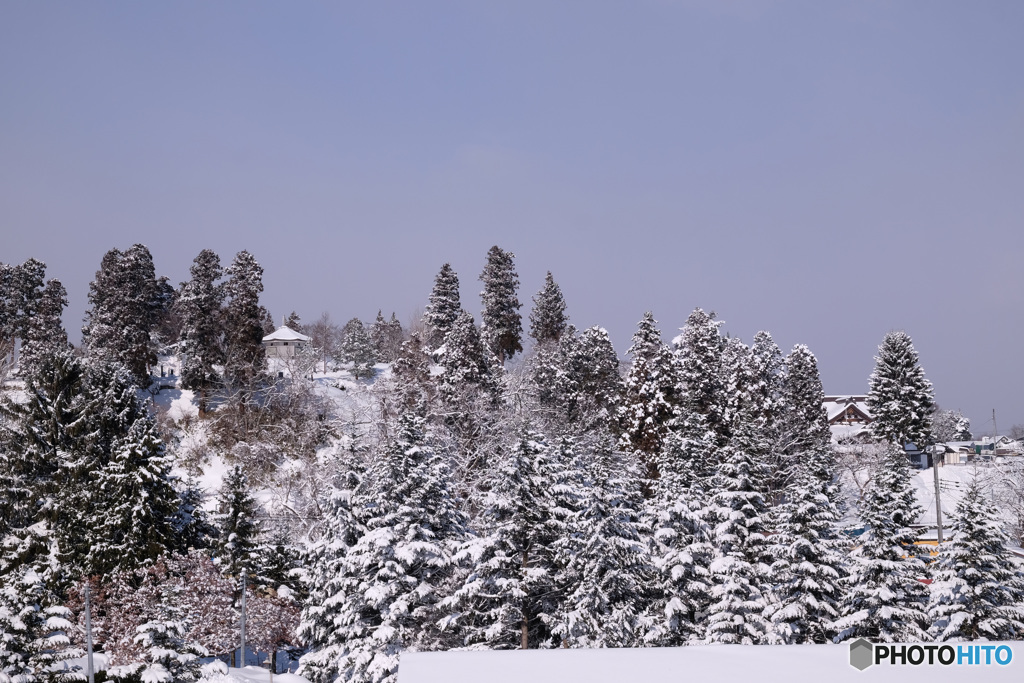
192,527
387,337
44,331
506,600
126,300
357,348
464,360
245,360
293,322
951,425
443,306
900,398
326,623
402,561
238,525
978,590
885,600
650,396
808,562
202,331
609,604
739,572
501,325
699,354
548,318
803,428
33,631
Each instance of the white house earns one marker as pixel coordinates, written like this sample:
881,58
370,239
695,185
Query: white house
284,342
848,416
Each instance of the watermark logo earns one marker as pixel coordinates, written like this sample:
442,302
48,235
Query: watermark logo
863,654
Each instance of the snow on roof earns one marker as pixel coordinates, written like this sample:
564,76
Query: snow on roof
836,405
285,333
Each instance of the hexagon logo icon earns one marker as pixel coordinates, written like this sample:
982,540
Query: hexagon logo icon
862,654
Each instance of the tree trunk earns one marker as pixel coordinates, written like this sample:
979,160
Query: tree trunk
526,625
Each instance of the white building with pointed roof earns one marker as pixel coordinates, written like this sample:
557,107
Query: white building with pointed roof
284,342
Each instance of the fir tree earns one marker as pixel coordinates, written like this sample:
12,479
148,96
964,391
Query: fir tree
463,358
593,367
238,526
396,567
739,570
803,429
26,291
324,625
357,348
548,318
245,361
607,606
650,399
501,325
699,354
808,565
192,527
132,524
885,600
202,332
900,398
505,600
33,631
126,301
978,591
44,331
443,307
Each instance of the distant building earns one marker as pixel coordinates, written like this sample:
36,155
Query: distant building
284,342
848,416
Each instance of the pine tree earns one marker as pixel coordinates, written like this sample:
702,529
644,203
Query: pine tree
126,302
548,318
900,398
739,570
245,361
650,400
885,600
443,307
26,291
501,324
608,605
202,332
978,591
238,525
699,354
808,565
511,585
357,348
593,367
33,631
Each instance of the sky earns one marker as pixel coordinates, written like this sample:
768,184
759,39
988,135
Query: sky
825,171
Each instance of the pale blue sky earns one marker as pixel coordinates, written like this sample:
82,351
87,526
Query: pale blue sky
826,171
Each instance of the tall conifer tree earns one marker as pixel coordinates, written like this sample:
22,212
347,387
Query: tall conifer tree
548,318
501,324
443,307
202,325
900,398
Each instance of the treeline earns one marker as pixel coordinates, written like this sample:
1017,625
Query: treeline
692,496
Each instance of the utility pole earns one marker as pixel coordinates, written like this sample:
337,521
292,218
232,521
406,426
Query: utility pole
242,623
995,427
88,635
938,501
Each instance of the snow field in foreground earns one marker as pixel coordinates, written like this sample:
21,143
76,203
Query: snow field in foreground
712,663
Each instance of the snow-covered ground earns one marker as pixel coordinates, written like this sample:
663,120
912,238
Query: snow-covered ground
713,663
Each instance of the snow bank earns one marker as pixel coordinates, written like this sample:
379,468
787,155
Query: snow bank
714,663
218,672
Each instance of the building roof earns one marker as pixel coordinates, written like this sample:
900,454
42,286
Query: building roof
285,333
